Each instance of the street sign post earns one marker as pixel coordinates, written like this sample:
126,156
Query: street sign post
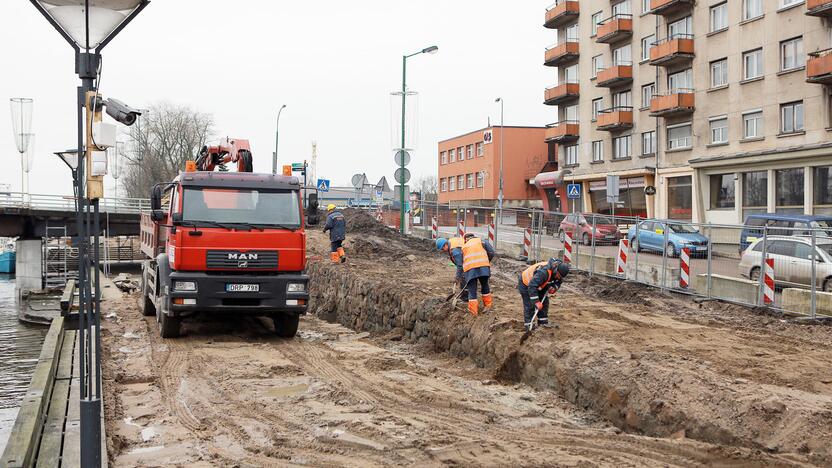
298,167
573,192
323,185
613,191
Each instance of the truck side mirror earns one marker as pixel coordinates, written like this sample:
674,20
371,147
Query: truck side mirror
157,215
156,198
176,217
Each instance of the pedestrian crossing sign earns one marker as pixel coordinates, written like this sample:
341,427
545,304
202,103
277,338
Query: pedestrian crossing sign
573,191
323,185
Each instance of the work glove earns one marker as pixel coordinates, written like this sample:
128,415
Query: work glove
552,290
539,305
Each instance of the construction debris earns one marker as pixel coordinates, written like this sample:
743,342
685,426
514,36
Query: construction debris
126,283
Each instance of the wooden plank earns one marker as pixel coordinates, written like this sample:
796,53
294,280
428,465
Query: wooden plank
22,445
49,452
64,370
68,296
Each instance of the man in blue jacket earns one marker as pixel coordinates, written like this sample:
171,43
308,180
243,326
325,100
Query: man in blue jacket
337,227
536,284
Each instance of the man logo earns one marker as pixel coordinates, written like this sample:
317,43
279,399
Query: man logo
242,256
242,264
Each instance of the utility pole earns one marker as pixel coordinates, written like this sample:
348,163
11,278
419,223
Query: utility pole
276,139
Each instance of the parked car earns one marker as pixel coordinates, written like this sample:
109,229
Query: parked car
783,225
604,229
679,236
792,261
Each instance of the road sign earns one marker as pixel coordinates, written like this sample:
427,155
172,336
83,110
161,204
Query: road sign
650,190
378,195
402,177
323,185
612,186
298,167
402,154
573,191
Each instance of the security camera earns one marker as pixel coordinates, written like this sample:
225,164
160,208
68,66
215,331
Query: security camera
120,111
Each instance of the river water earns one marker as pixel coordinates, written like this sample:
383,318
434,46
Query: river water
20,346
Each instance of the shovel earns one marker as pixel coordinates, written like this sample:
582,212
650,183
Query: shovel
528,332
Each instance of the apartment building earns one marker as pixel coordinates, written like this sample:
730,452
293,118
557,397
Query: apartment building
715,103
469,166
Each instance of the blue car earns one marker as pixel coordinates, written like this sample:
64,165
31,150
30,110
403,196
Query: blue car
783,225
651,236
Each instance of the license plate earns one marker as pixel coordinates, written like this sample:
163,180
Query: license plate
242,287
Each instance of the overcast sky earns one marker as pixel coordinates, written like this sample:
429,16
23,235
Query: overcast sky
333,63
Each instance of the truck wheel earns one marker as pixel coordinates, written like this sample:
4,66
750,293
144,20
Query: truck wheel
148,309
168,326
286,325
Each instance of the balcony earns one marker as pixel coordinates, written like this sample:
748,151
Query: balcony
560,53
615,29
672,51
563,132
667,7
819,8
561,94
560,12
615,118
819,67
676,102
615,76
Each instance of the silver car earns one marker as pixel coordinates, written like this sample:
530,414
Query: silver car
792,261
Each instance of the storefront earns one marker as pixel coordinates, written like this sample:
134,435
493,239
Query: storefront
632,200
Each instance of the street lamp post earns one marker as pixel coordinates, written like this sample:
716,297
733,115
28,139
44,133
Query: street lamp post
88,26
276,139
500,194
402,162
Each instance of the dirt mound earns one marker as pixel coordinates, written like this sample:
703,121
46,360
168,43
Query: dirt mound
360,221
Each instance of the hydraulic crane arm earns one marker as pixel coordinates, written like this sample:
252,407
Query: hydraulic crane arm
227,151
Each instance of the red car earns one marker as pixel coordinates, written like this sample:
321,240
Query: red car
581,226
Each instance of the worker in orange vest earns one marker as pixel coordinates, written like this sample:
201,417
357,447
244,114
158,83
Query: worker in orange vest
451,246
537,283
476,257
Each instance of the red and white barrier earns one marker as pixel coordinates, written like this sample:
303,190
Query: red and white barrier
460,229
621,262
434,229
768,282
684,268
527,243
567,247
491,233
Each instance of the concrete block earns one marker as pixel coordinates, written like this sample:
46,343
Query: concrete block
800,301
652,274
28,266
728,287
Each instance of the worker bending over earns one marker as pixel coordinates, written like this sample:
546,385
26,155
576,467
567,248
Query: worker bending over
336,224
476,257
537,283
454,244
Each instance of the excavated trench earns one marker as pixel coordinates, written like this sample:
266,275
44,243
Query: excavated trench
646,389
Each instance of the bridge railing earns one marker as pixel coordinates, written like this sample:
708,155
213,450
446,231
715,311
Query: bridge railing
34,201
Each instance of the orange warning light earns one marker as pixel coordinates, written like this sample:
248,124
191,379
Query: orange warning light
190,166
287,170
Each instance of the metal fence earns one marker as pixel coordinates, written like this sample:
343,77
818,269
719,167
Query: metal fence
787,269
34,201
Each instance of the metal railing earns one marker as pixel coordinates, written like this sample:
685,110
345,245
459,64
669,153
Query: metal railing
32,201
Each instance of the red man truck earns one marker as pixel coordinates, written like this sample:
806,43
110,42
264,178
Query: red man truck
225,242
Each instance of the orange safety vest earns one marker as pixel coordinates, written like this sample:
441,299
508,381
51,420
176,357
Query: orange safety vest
529,272
455,243
474,255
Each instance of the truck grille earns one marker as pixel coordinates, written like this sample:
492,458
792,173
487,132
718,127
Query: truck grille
239,260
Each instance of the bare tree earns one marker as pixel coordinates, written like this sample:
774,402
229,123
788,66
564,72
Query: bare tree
429,187
159,143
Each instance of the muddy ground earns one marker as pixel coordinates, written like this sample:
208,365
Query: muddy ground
631,377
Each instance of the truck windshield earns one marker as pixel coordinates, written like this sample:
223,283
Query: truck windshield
236,206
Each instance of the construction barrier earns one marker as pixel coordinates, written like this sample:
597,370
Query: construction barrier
768,282
621,263
460,229
434,229
527,243
567,247
491,233
684,268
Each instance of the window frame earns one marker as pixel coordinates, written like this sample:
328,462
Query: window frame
758,61
598,156
794,105
745,11
758,124
714,8
723,63
799,55
724,129
570,155
654,143
688,138
616,147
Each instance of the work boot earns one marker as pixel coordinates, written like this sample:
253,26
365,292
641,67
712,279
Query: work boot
342,254
334,257
473,307
547,324
487,302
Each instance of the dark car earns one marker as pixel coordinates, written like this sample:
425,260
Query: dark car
585,227
783,225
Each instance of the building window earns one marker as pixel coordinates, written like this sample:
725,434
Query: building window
791,117
572,33
444,185
470,149
597,65
719,17
571,74
621,8
596,20
460,182
752,64
679,136
680,82
480,149
452,182
789,190
444,157
722,191
480,179
647,93
460,155
571,113
752,124
791,54
648,143
597,105
719,73
682,28
680,197
597,151
623,55
470,181
752,9
622,147
452,155
645,6
823,189
622,99
754,192
646,44
719,130
571,155
785,3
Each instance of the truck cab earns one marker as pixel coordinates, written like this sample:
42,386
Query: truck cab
225,242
